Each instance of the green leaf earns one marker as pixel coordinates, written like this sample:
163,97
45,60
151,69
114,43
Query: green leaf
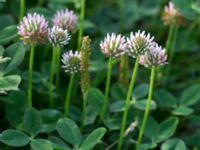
147,146
184,7
16,52
8,34
141,104
190,96
167,128
69,131
32,121
182,111
140,91
117,106
95,98
41,144
165,99
14,138
151,128
9,83
1,50
173,144
93,139
15,107
58,143
118,92
49,119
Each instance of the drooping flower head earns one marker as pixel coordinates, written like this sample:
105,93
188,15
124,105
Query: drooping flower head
71,62
33,29
65,19
113,45
156,56
171,15
138,43
58,37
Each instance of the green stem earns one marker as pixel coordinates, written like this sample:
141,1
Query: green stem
169,39
51,101
121,136
171,54
39,2
84,112
31,61
68,96
105,101
82,15
22,9
58,68
146,110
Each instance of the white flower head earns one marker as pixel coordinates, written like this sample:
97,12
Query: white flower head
71,62
113,45
58,37
156,56
138,43
65,19
33,29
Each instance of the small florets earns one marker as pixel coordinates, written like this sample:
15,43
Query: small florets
58,37
138,43
65,19
113,45
154,57
33,29
71,62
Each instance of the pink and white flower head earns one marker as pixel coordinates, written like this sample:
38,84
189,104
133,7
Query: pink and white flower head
65,19
171,15
154,57
71,62
113,45
58,37
33,29
138,43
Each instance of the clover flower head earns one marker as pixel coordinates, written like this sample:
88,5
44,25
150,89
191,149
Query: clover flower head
58,37
138,43
65,19
156,56
171,15
113,45
33,29
71,62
